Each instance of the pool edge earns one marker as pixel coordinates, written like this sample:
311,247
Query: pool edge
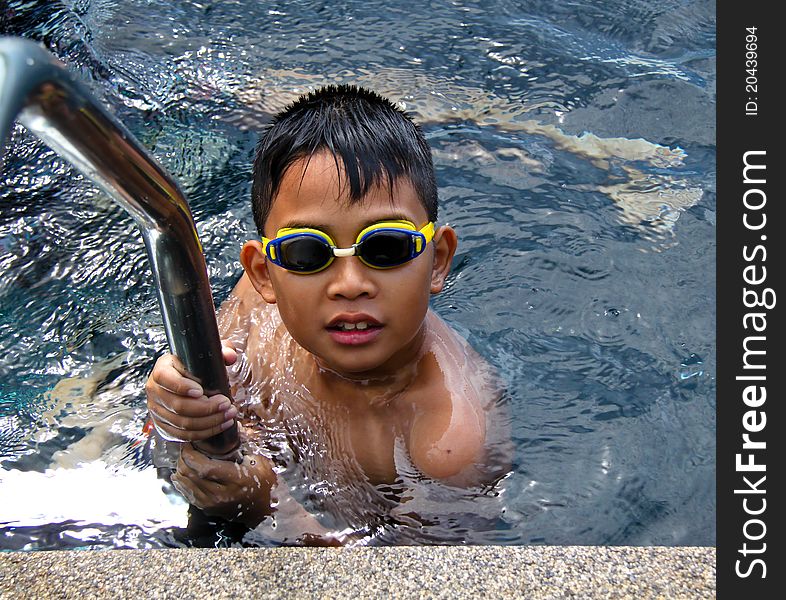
404,571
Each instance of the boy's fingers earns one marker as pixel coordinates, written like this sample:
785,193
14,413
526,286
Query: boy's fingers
170,374
224,471
169,432
190,407
192,461
196,490
178,365
191,430
229,352
211,424
175,434
178,407
184,484
199,492
208,418
205,468
230,356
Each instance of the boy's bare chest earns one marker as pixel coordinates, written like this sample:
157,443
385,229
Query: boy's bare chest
372,442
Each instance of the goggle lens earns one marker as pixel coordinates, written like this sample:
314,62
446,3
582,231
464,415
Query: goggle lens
386,248
304,253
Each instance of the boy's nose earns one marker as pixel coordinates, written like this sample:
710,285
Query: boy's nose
350,279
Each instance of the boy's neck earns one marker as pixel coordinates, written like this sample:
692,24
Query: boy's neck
381,386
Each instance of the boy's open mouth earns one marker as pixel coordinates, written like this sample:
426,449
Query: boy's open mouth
354,329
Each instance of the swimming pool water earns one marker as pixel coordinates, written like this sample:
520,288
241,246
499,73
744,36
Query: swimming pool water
574,147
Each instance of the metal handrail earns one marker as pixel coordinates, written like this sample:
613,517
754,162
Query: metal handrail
37,90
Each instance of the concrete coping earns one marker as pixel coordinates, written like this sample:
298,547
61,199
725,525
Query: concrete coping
394,572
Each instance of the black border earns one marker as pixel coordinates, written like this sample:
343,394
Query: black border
739,132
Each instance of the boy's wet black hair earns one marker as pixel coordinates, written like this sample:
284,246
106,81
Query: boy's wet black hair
375,141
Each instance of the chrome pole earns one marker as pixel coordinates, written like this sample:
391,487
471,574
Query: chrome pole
38,90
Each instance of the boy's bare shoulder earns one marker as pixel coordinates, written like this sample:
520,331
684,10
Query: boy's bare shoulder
235,312
254,327
456,390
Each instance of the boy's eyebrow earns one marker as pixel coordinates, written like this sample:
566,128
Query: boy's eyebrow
302,225
323,227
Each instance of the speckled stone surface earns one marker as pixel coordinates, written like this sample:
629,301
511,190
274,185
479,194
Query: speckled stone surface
399,572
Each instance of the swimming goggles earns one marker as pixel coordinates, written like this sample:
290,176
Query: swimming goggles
382,245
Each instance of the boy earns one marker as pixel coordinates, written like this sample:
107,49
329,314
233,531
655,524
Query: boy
341,370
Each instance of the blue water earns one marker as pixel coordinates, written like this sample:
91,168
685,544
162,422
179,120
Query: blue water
575,152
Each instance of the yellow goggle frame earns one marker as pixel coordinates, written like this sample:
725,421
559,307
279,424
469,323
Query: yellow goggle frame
383,245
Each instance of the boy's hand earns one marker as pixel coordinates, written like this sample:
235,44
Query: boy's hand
226,489
178,406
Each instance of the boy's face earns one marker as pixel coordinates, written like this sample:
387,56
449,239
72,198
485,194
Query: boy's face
390,305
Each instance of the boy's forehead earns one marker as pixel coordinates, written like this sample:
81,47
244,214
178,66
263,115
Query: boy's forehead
315,190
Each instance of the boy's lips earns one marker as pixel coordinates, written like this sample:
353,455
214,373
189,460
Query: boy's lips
353,329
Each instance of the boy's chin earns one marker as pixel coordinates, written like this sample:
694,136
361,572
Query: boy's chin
352,369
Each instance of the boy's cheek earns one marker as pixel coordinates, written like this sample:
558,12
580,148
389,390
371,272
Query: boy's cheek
295,302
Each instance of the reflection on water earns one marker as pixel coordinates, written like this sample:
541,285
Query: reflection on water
574,147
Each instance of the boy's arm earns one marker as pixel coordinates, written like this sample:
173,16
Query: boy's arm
464,446
180,411
458,432
447,431
447,446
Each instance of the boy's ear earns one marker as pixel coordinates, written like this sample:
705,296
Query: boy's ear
445,242
252,257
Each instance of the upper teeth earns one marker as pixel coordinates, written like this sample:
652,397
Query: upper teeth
351,326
